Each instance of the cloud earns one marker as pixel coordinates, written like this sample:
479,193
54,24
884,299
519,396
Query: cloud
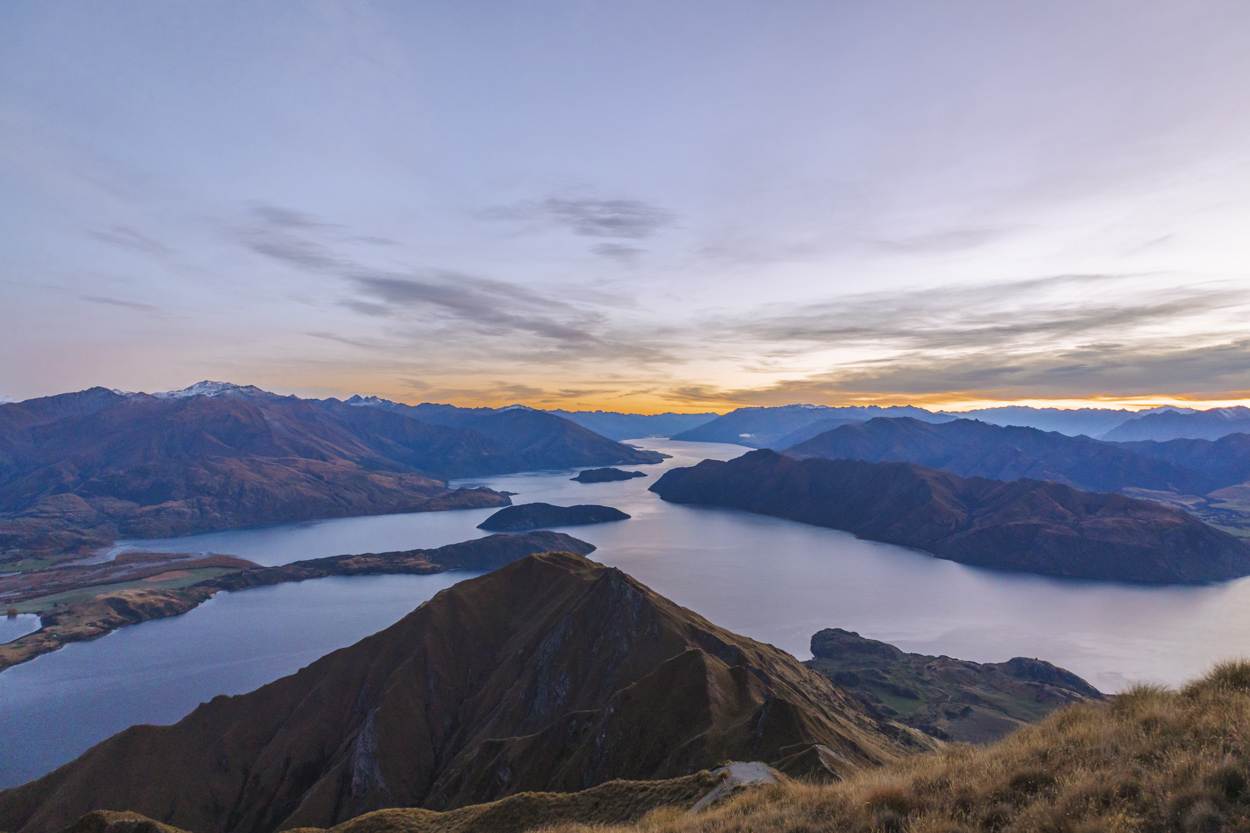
1213,371
452,314
487,305
287,236
621,219
375,240
126,237
1039,310
941,242
1056,336
517,391
119,302
625,255
289,218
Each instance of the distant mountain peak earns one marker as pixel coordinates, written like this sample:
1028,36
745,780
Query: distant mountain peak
210,388
359,401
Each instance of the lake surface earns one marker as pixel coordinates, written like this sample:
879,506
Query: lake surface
775,580
56,706
12,627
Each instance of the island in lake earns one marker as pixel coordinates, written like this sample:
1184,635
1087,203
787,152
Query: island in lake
529,516
608,475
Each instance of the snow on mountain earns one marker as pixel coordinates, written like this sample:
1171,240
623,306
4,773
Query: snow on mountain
210,388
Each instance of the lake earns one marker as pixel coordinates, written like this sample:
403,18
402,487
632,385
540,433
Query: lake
13,627
771,579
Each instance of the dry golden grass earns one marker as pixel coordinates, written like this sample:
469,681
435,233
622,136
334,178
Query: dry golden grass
1151,761
613,802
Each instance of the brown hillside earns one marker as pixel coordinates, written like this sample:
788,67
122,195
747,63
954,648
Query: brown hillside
1149,761
552,673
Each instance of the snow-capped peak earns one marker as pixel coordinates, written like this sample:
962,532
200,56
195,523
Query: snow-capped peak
208,388
367,401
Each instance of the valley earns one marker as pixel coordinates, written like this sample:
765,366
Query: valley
624,418
771,579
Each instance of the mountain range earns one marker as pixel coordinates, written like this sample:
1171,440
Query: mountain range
619,426
1208,478
1173,425
765,427
81,469
782,426
1033,526
552,673
977,449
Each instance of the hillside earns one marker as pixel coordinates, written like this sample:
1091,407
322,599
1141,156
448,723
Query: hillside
551,673
951,699
1172,425
1026,525
1149,761
79,470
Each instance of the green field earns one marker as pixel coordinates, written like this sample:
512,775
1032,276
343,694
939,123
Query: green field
43,603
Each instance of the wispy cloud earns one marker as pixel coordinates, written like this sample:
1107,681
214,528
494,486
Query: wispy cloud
127,237
615,219
625,255
486,305
443,308
120,302
1043,337
1044,309
623,219
941,242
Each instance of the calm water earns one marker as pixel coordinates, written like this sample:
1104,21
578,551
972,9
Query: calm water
56,706
771,579
11,627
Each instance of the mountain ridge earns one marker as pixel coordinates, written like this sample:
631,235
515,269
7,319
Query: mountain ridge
553,672
1024,525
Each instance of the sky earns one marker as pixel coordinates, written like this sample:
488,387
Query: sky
631,206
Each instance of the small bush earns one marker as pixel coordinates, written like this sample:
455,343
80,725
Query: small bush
1231,676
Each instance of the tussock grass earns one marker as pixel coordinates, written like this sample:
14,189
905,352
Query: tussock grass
1152,760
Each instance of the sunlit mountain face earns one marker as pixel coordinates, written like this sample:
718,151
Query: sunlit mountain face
836,205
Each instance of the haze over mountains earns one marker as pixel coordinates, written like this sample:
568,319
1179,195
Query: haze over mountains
1172,425
788,425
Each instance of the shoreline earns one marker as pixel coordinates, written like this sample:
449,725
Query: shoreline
97,615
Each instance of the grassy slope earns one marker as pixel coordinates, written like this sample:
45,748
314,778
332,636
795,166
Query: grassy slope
1152,760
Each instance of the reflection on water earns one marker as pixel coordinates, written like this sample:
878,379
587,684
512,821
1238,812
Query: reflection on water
56,706
775,580
11,627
